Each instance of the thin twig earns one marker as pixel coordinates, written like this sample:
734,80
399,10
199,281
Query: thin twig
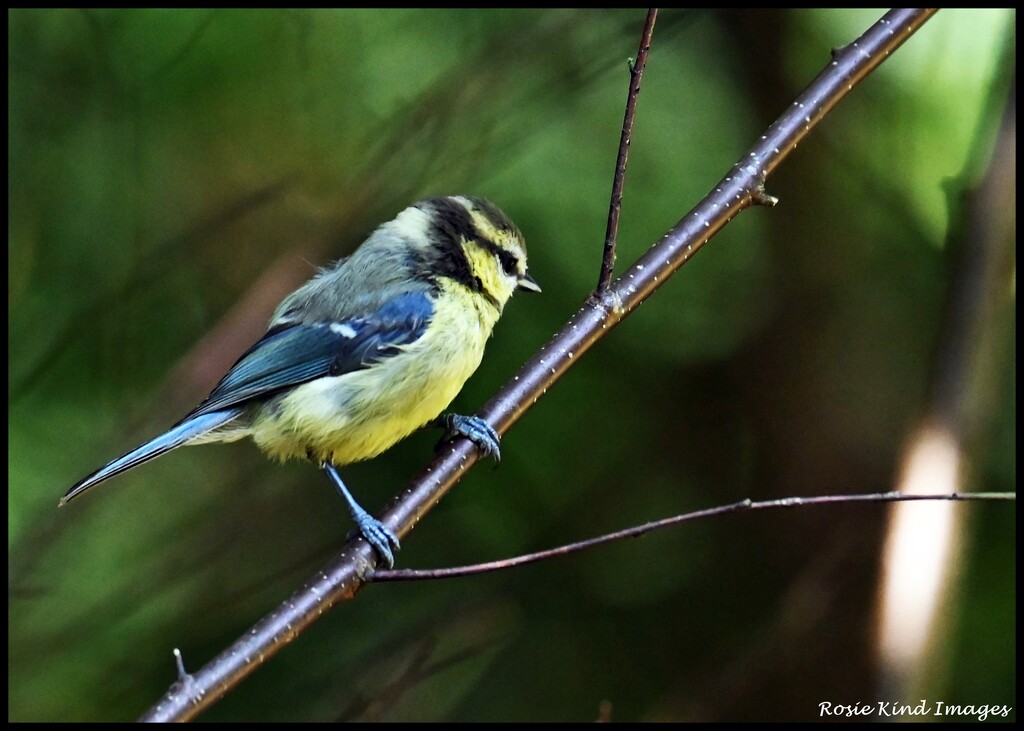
639,530
636,74
346,574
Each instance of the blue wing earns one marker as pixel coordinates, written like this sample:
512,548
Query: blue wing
292,354
289,354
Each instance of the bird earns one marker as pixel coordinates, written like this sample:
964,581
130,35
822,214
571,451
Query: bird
369,350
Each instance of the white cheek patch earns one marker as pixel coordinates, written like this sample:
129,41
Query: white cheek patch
340,328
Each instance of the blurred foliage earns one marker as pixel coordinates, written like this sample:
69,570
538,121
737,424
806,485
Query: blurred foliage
172,173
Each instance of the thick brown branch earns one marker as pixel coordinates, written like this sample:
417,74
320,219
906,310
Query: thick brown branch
347,573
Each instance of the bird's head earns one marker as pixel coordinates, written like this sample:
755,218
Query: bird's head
472,242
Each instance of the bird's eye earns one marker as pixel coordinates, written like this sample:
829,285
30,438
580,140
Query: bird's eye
509,263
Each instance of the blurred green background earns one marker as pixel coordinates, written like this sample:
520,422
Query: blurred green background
173,173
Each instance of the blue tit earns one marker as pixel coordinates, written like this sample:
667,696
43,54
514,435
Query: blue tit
367,351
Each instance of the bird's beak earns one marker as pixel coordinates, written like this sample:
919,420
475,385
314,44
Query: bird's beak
528,283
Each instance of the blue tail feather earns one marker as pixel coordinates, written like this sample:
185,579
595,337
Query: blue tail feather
179,435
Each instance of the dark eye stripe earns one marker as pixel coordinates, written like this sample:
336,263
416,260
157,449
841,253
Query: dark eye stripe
451,223
508,262
452,229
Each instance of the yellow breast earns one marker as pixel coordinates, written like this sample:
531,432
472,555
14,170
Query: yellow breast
358,415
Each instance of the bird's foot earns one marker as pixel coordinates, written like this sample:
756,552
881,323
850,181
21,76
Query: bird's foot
478,431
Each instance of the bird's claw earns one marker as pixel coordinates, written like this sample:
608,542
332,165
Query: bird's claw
382,538
478,431
378,535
